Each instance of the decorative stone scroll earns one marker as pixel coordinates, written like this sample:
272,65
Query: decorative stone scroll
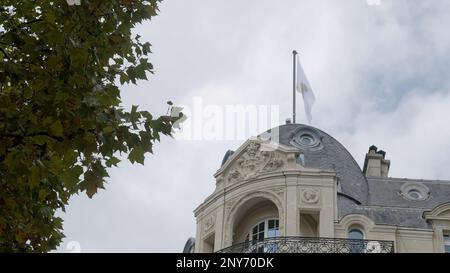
253,162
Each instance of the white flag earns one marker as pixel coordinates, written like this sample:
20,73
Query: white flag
303,86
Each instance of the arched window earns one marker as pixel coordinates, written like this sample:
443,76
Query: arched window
355,233
265,229
355,243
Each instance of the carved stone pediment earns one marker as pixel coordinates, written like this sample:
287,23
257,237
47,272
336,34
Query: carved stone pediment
254,161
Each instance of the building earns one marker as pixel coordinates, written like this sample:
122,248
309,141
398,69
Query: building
295,188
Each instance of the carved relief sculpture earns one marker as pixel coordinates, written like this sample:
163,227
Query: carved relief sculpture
209,223
253,162
310,196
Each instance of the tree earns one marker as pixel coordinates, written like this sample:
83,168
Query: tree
61,121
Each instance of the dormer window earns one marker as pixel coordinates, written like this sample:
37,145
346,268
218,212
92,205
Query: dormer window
306,139
414,191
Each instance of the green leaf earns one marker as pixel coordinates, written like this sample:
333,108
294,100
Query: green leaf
124,78
43,194
112,161
56,129
146,115
71,177
34,177
108,129
91,183
137,155
40,139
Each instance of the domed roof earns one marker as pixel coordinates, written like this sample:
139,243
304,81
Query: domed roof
321,151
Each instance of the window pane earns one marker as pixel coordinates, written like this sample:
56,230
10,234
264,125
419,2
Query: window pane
356,246
447,243
415,194
259,232
447,249
271,233
355,234
273,229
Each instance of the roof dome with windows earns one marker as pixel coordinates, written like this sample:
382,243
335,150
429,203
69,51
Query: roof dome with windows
321,151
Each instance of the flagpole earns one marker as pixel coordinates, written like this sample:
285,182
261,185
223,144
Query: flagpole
294,53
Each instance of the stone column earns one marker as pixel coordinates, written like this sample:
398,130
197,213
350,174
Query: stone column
198,236
291,217
326,221
219,225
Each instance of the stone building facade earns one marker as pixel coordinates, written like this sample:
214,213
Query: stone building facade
295,188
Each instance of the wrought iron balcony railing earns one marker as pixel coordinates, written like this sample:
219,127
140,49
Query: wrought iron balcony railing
311,245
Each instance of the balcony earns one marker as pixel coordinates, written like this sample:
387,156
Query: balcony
311,245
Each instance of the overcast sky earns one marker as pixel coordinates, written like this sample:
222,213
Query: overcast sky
380,74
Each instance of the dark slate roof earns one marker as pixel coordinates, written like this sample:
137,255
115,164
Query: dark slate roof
386,192
328,155
393,208
387,206
226,156
377,198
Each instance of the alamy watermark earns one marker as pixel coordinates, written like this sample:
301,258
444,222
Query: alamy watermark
228,122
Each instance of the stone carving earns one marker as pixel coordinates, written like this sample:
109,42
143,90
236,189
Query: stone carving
253,162
228,206
310,196
209,223
279,191
234,175
273,164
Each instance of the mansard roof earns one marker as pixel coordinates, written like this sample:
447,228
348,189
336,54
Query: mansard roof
319,150
383,199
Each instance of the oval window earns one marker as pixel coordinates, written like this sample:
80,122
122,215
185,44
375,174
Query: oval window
415,194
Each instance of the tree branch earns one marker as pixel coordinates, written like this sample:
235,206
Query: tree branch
30,22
